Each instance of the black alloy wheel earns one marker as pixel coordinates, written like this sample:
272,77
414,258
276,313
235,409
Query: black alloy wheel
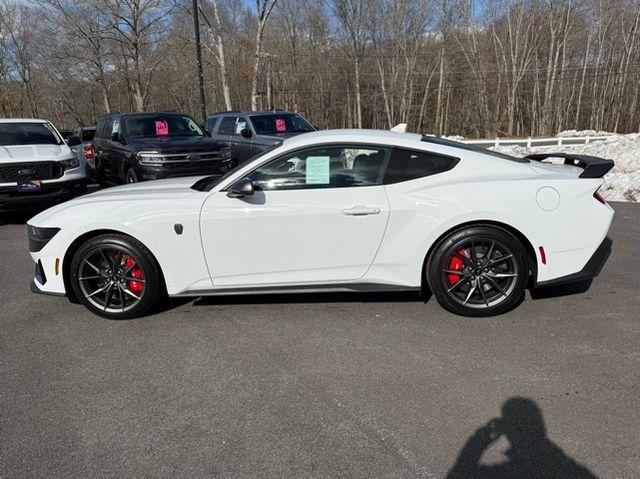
116,276
479,271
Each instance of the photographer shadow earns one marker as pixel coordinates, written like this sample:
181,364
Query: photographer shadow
531,454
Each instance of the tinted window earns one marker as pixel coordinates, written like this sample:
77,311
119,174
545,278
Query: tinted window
87,135
274,124
228,125
406,165
161,125
100,128
104,128
211,123
28,134
321,167
463,146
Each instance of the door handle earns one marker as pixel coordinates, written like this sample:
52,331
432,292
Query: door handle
361,211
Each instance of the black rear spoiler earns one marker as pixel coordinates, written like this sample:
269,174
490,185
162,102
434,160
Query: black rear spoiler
594,167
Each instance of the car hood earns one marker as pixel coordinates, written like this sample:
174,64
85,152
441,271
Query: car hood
169,189
175,144
17,153
147,189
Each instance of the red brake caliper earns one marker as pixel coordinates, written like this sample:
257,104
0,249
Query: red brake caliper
136,272
455,264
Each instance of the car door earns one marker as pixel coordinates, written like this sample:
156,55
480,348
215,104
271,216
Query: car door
101,145
317,216
113,149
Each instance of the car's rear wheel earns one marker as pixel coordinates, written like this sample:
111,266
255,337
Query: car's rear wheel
116,276
478,271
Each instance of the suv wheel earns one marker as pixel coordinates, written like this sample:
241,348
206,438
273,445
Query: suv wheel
478,271
131,176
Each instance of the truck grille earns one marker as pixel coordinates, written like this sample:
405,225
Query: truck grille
43,170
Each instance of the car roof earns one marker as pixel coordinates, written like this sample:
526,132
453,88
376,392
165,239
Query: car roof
152,113
356,135
251,112
22,120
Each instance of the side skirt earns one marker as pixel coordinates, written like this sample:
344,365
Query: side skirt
332,288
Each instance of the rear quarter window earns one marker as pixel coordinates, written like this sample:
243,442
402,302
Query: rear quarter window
405,165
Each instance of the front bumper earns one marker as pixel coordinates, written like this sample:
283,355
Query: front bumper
590,270
11,199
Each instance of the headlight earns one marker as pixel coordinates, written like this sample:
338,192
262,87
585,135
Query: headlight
70,163
39,237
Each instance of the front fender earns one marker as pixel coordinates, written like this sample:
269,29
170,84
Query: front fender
180,256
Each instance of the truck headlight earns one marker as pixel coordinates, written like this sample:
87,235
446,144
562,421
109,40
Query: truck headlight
70,163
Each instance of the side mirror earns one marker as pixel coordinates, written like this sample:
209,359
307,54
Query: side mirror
241,188
115,136
73,141
246,132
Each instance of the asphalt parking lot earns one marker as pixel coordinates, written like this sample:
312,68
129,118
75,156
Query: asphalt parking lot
323,386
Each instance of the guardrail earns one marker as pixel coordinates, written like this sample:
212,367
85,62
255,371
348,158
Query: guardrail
529,142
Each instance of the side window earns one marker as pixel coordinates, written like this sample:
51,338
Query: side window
406,165
321,167
115,126
106,128
228,125
100,129
211,124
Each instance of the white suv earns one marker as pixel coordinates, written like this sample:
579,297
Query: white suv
37,167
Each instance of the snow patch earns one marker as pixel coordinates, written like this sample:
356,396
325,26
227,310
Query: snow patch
581,133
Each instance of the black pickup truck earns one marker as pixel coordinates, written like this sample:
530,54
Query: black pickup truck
149,146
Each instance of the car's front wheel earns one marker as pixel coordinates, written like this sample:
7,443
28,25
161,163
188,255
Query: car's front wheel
116,276
478,271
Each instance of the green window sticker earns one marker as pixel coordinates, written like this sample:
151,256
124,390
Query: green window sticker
317,170
241,125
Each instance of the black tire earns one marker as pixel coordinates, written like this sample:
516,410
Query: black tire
131,176
470,277
104,256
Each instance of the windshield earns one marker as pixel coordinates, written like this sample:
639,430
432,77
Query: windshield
274,124
161,125
464,146
28,134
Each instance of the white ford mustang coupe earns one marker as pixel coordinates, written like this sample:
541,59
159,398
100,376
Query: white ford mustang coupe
342,210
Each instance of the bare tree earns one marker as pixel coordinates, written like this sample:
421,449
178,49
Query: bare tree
264,9
351,15
218,49
137,26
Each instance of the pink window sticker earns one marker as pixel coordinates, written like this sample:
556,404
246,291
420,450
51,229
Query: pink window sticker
162,128
280,125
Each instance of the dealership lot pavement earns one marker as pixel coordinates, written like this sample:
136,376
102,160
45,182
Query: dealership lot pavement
321,386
